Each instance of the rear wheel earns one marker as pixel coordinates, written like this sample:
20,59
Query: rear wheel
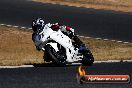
57,57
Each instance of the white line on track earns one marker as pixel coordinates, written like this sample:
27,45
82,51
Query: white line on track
113,40
98,38
22,66
81,36
29,28
15,26
112,61
31,66
119,41
127,60
88,37
2,24
126,42
105,39
9,25
23,27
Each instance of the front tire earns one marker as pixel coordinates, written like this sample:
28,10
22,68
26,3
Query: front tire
88,59
58,59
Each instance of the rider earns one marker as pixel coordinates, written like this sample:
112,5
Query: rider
39,24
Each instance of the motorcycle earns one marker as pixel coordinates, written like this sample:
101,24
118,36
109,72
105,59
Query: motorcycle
62,50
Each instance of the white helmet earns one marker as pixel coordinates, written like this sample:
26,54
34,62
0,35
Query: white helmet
38,25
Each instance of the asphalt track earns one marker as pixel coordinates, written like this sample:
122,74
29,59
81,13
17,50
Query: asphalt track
48,76
87,22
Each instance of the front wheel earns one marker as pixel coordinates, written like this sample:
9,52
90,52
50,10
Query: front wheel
88,59
57,57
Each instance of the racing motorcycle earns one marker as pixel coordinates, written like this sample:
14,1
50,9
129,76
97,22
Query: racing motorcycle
62,50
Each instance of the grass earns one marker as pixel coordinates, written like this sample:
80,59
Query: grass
17,48
116,5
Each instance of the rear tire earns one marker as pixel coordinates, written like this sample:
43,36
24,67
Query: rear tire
55,57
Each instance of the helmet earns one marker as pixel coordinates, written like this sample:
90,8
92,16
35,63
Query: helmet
38,25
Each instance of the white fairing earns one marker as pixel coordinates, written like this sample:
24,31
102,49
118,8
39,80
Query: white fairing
59,37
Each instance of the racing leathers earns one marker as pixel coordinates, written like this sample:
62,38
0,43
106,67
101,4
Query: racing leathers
65,29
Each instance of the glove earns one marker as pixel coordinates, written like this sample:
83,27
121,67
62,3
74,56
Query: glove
69,29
